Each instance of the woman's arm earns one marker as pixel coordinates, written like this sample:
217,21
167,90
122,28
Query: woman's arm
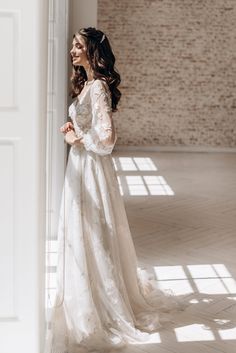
101,137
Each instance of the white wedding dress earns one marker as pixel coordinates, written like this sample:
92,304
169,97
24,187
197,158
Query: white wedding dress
103,299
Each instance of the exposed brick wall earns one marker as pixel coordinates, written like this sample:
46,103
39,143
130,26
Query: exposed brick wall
177,60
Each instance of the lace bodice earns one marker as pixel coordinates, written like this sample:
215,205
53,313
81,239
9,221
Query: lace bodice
91,115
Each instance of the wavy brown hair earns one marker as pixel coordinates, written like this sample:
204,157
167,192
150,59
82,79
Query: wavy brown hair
101,60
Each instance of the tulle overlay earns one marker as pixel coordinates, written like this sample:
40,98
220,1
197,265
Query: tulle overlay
103,300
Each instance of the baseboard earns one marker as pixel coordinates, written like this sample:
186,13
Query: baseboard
155,148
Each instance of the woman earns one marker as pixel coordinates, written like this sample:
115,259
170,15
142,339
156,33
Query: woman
103,300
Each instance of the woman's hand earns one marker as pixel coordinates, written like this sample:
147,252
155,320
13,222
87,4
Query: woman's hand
67,127
72,139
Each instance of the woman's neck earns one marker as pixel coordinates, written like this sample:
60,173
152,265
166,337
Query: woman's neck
89,73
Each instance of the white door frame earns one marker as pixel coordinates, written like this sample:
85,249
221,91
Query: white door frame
56,148
23,107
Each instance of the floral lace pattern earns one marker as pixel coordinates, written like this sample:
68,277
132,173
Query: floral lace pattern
102,301
93,120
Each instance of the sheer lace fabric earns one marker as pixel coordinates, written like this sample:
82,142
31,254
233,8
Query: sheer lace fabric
101,136
103,299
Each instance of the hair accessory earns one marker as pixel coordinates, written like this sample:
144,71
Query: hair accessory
103,37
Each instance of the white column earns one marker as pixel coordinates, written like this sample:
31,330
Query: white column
57,114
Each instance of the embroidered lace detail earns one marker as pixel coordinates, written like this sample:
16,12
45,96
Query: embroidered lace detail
93,120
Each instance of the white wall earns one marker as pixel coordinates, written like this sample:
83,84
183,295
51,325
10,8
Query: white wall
83,13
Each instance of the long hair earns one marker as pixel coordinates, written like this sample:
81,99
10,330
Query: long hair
101,60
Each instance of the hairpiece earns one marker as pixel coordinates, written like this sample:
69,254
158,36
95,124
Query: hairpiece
103,37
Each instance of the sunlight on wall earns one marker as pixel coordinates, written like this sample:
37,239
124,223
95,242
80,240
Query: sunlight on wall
139,185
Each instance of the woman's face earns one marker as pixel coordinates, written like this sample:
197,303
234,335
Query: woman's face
78,52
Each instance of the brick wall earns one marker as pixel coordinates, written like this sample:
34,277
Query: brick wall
177,60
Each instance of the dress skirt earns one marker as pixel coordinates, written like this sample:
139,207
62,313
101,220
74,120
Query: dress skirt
103,300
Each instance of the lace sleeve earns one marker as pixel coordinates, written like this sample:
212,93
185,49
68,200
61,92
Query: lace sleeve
101,137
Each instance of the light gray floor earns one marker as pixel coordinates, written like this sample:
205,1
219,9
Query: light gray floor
181,209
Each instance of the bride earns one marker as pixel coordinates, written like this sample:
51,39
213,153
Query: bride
103,300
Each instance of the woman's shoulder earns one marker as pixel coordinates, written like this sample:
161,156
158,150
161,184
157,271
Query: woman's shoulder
100,86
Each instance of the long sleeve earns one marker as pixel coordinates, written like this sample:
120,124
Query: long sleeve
101,137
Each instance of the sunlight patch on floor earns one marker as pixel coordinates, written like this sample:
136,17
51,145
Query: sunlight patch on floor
228,334
195,332
204,278
143,185
133,163
153,338
138,184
